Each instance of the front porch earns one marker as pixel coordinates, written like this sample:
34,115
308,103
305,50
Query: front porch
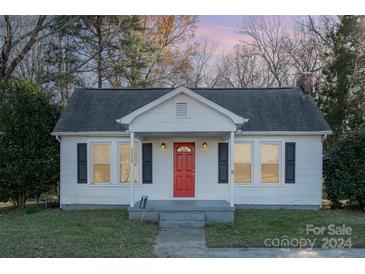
212,211
190,151
186,189
199,173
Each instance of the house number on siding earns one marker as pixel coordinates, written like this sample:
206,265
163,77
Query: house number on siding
132,156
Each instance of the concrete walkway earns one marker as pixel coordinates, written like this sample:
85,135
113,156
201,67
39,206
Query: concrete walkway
181,243
191,243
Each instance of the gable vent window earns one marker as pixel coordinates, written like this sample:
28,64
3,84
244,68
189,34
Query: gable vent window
182,110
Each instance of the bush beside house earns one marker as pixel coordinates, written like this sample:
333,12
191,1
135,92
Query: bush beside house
29,157
344,171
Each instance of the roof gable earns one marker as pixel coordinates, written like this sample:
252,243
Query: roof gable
181,90
199,117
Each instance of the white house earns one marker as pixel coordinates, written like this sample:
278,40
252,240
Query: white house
249,147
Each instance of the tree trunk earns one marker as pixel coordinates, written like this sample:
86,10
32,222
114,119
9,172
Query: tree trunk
20,199
100,48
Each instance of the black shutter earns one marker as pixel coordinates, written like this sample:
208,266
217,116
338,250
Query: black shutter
147,163
290,163
223,163
82,163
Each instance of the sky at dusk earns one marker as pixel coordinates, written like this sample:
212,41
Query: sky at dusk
220,30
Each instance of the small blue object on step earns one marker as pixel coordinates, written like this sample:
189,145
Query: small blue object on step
143,202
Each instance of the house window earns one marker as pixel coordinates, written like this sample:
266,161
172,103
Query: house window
270,163
124,163
242,163
182,110
101,163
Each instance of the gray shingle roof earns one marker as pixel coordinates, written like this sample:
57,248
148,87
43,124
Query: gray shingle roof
274,109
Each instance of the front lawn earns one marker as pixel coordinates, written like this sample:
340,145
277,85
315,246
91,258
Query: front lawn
55,233
252,227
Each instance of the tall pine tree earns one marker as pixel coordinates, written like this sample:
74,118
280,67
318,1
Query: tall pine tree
342,94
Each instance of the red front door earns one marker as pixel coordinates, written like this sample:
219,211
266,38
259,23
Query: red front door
184,169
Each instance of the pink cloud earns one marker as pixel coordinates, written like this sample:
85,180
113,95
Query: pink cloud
224,37
223,31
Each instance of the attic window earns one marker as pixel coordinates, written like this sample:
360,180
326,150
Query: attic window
181,110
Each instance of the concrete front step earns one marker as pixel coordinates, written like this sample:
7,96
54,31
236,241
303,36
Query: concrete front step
181,224
182,216
182,220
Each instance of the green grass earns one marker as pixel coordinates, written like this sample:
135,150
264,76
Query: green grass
252,227
55,233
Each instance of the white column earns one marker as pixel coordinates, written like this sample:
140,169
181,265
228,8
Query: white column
131,169
231,168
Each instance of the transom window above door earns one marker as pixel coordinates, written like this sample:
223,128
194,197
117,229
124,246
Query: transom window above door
183,148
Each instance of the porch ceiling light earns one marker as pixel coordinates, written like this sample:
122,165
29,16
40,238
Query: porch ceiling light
205,145
163,145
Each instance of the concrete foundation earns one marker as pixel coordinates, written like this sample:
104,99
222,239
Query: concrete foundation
90,206
217,208
293,207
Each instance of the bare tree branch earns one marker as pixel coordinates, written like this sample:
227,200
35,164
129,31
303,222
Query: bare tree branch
7,72
268,36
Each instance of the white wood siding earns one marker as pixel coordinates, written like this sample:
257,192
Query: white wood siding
201,118
306,191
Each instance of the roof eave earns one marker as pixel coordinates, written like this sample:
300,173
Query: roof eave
90,133
303,133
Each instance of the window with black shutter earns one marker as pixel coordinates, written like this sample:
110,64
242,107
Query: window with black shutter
289,163
147,163
223,163
81,163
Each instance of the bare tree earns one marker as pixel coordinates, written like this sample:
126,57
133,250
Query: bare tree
19,36
309,45
320,26
268,36
305,50
32,66
309,42
55,61
200,73
243,69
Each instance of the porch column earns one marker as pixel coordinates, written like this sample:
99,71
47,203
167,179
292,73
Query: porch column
131,169
231,168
